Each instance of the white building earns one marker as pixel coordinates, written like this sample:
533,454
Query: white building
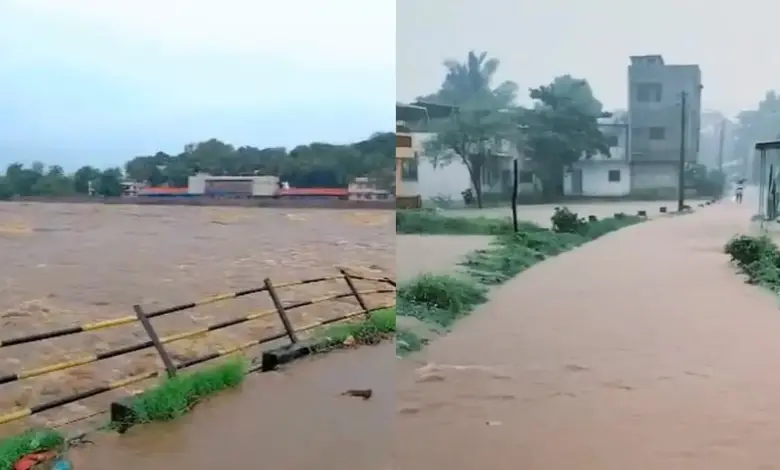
242,186
602,175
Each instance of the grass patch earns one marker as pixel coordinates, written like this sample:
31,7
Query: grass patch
758,258
372,329
511,254
439,299
407,342
176,396
431,222
31,441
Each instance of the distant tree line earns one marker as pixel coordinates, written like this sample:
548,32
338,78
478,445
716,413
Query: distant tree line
313,165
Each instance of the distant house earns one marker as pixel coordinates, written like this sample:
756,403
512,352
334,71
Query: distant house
365,189
602,175
420,174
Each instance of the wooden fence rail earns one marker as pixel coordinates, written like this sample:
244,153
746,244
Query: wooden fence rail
280,309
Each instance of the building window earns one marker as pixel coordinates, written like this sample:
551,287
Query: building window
657,133
525,176
649,92
409,168
612,141
403,141
613,176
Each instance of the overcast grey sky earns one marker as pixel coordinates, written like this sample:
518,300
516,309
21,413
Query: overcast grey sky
100,81
734,42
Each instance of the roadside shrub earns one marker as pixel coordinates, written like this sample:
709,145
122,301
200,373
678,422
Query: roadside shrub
440,299
746,249
566,221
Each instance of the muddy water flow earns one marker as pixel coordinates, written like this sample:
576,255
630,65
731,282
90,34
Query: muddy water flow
641,350
296,419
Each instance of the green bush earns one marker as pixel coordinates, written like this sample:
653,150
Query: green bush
746,249
176,396
758,258
31,441
439,299
372,329
566,221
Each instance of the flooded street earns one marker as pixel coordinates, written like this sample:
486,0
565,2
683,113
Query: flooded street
642,350
296,419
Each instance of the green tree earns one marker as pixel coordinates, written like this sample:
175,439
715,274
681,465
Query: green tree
755,125
83,177
481,116
561,128
109,183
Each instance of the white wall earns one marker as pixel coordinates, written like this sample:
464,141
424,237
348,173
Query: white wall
447,181
595,179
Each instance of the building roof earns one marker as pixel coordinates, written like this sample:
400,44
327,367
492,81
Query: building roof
657,58
313,192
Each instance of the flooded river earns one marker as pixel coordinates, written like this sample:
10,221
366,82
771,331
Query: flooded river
296,419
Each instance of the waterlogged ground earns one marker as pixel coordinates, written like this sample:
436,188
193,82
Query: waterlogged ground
540,213
64,265
643,349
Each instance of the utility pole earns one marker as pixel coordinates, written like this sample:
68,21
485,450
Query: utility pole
683,142
720,144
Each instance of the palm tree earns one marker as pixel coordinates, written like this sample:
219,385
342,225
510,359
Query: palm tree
469,83
476,121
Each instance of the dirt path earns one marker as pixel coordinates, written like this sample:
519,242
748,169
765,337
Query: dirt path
642,350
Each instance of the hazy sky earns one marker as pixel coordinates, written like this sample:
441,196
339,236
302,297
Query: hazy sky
99,81
734,42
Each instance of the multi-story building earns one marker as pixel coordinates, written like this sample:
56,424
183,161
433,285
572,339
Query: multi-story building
655,120
603,175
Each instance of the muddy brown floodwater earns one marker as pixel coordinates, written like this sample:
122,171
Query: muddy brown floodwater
641,350
69,264
296,419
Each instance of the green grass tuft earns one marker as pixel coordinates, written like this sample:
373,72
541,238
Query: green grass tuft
378,325
434,223
439,299
176,396
30,441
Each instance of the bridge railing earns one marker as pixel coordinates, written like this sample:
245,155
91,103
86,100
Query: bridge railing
280,310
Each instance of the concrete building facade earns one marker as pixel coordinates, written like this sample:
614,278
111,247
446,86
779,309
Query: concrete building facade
655,116
602,175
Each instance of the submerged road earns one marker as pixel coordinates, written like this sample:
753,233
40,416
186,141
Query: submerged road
641,350
296,419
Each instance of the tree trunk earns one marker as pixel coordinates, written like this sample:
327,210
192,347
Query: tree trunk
475,173
552,182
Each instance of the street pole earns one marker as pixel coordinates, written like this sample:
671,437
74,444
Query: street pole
681,175
720,144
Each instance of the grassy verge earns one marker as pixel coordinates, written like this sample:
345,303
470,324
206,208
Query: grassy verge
31,441
758,258
372,329
176,396
431,222
440,300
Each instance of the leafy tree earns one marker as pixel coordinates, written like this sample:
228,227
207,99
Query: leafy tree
313,165
481,116
561,128
109,183
762,123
